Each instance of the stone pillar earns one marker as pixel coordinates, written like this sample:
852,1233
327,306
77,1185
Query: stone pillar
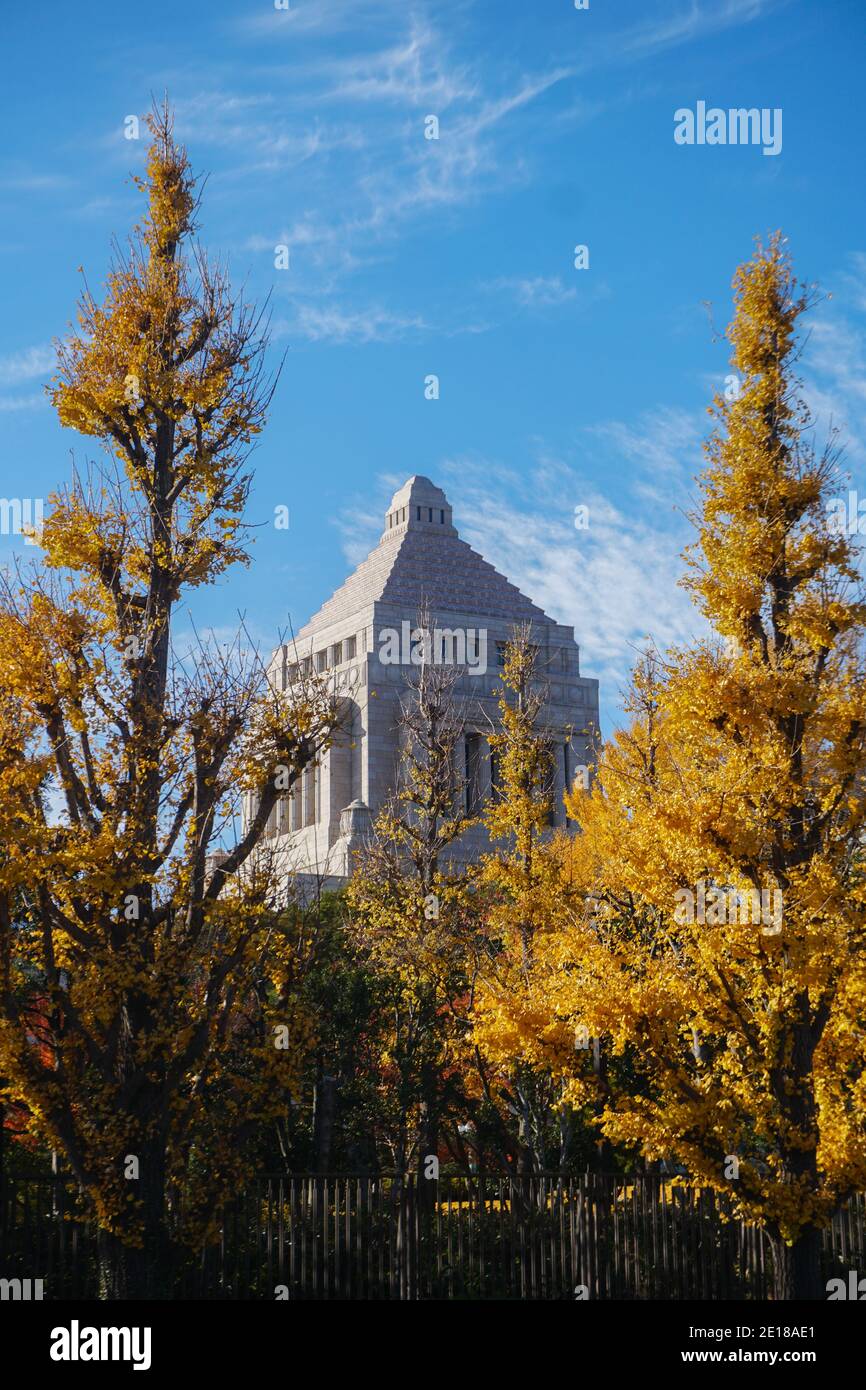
309,816
356,829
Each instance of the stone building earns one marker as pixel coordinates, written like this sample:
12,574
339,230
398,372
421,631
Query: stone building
363,634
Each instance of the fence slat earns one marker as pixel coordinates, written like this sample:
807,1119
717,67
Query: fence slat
478,1236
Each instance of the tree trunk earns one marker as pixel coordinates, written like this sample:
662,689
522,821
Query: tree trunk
525,1157
121,1269
427,1189
132,1272
140,1263
325,1106
797,1267
604,1160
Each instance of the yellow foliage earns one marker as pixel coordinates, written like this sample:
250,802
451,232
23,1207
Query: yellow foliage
741,774
131,1020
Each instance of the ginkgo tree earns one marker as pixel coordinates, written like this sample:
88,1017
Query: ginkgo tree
408,911
522,1056
721,932
122,760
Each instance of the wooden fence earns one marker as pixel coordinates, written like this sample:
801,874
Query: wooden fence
362,1237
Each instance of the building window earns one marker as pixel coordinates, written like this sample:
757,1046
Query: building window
429,513
322,660
418,509
351,648
291,674
473,774
306,666
442,518
337,658
296,819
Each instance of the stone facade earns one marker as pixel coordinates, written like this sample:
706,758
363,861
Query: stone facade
362,634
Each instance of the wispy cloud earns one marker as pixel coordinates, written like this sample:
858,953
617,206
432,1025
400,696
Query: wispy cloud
331,323
387,175
26,364
836,352
405,177
369,97
415,71
688,23
360,524
316,17
597,579
834,364
9,403
28,182
535,292
254,128
853,281
661,442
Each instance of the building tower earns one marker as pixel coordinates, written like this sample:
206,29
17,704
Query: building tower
363,634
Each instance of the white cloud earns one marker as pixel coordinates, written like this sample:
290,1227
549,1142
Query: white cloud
35,183
414,71
26,364
615,582
397,65
330,323
360,528
536,292
315,17
394,175
854,280
254,128
8,403
663,441
834,364
690,22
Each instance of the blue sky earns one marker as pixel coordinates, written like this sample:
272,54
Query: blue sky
411,257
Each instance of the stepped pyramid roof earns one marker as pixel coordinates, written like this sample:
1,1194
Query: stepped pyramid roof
421,558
